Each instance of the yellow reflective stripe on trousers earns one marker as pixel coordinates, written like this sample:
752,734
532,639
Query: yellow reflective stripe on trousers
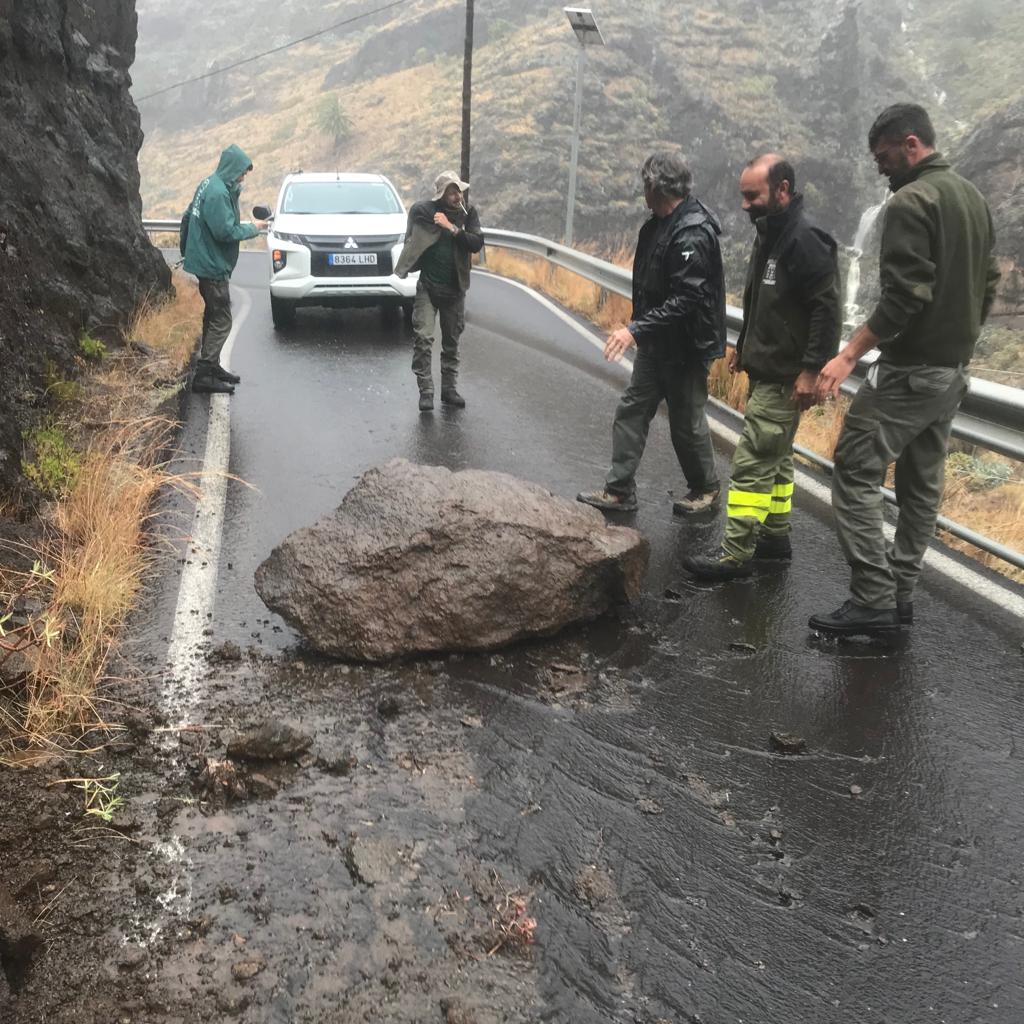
748,505
782,499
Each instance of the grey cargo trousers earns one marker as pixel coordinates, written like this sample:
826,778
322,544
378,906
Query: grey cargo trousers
449,306
684,388
901,414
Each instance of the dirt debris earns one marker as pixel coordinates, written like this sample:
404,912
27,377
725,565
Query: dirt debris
270,741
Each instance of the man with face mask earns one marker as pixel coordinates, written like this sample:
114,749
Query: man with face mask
938,273
791,321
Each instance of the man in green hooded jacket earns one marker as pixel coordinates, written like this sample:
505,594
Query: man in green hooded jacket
210,233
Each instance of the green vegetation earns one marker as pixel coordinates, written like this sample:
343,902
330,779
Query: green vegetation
999,355
60,389
56,463
90,347
983,473
330,120
101,799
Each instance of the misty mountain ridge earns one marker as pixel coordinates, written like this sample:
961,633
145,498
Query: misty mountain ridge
722,82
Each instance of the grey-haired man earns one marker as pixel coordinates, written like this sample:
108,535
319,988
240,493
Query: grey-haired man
442,235
678,328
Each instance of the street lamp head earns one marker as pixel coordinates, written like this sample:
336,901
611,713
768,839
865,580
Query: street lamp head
584,25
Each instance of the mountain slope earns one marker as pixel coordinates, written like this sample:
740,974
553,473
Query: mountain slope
721,81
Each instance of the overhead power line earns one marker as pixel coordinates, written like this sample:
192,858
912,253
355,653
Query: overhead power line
276,49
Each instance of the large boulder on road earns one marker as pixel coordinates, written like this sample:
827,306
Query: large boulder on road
419,559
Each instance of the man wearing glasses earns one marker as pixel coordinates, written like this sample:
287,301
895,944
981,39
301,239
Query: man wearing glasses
938,276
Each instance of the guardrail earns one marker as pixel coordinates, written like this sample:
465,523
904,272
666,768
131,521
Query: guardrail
991,415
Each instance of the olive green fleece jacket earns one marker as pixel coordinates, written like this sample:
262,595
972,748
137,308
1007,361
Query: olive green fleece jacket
937,267
211,228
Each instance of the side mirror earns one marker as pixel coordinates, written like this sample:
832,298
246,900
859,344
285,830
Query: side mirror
262,213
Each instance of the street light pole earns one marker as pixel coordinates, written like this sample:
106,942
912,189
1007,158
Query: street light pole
585,28
467,90
570,208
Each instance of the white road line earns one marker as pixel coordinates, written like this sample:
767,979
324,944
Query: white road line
198,589
935,559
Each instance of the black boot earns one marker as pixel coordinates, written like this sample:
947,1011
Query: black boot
226,375
449,396
208,384
717,567
852,619
773,548
426,401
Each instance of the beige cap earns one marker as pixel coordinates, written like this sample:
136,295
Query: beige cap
444,180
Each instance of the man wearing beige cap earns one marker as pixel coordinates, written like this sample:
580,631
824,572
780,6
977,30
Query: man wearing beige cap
442,235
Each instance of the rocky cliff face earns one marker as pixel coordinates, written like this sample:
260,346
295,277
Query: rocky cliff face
73,255
993,158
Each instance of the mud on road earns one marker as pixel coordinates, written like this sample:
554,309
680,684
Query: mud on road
332,878
532,835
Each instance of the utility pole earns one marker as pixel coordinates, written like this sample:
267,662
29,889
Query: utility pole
467,90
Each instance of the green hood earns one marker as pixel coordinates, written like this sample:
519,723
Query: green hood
233,164
211,228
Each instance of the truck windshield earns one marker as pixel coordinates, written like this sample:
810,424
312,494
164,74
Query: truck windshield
340,197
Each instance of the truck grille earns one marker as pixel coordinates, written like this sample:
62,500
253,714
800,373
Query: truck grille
319,249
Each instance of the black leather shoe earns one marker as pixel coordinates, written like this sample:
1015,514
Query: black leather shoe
718,568
905,610
426,401
449,396
851,619
773,549
226,375
211,386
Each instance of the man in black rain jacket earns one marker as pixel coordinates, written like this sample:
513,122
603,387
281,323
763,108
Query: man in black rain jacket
678,328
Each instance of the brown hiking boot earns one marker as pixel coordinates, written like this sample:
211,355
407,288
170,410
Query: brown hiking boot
608,501
695,501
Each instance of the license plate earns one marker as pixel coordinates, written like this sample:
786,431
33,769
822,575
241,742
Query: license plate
349,259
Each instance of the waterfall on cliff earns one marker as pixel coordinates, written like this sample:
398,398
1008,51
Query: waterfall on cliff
867,222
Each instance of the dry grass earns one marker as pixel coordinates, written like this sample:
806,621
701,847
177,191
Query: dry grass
996,512
602,308
96,556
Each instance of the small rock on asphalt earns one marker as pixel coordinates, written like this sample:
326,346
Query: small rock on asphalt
787,743
243,970
227,651
388,707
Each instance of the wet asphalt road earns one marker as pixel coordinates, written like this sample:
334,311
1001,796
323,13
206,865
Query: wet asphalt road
748,887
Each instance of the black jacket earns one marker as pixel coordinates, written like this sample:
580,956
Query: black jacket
791,308
679,285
